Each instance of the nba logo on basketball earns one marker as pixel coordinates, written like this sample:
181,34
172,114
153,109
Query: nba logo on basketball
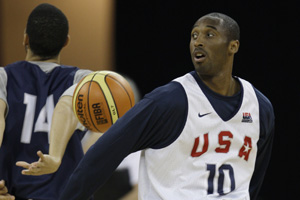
247,118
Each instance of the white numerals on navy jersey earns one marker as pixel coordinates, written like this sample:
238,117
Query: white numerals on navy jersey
43,121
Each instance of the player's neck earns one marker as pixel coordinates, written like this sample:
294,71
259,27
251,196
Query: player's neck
224,85
32,57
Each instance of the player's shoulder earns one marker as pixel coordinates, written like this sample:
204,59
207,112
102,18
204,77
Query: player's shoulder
265,104
3,75
266,113
171,94
80,74
16,64
2,71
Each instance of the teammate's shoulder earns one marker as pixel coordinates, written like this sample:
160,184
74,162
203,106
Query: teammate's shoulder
2,70
84,72
80,74
3,75
16,64
68,67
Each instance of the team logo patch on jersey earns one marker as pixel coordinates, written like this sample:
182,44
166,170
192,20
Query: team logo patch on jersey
247,118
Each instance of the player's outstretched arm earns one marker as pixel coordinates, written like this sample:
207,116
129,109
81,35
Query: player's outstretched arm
64,123
4,192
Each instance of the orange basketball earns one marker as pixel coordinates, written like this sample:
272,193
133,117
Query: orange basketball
101,98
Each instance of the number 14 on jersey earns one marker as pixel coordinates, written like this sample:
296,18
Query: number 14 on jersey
43,121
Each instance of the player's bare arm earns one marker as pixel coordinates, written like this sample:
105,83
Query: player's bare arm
3,192
63,125
89,139
2,119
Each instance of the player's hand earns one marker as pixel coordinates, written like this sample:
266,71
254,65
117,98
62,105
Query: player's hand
4,192
45,165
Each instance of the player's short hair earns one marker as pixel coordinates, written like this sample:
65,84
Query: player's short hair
230,25
47,29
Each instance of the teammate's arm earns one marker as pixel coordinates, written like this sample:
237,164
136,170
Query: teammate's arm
2,119
3,109
3,106
89,139
64,123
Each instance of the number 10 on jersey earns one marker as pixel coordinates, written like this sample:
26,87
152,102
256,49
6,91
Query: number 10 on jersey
225,179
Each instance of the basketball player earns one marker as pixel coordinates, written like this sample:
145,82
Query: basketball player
205,135
29,91
123,183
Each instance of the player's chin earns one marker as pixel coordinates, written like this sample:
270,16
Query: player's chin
202,69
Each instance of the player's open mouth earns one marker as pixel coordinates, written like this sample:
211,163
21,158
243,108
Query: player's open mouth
199,56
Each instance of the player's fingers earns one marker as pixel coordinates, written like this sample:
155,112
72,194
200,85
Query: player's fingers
2,184
35,165
7,197
3,190
31,172
23,164
41,155
27,172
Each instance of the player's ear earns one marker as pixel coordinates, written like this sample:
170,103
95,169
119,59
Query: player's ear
25,39
67,40
234,46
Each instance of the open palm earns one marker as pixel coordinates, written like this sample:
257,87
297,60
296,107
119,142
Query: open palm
45,165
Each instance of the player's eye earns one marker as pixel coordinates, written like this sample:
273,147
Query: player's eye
210,34
194,35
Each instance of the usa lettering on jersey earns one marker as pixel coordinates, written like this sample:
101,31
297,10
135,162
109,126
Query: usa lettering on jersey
224,145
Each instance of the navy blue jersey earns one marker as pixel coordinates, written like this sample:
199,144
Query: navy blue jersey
155,123
31,97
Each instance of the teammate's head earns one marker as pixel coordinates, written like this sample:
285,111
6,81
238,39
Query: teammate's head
47,29
214,41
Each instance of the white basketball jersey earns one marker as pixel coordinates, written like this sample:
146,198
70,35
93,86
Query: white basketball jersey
211,159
